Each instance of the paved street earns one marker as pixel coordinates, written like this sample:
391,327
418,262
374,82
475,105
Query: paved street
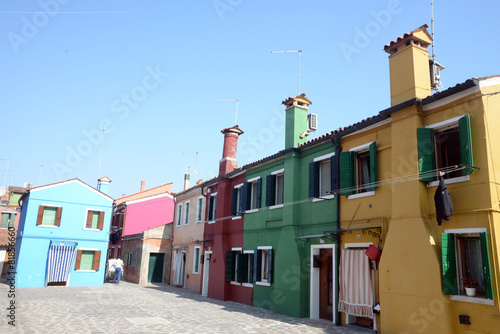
130,308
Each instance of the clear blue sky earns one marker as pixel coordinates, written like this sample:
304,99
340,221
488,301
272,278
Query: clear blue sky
149,73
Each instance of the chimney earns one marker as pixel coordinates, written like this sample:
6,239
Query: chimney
296,120
143,185
228,161
409,66
186,181
103,184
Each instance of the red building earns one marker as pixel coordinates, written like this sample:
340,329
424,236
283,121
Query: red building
223,236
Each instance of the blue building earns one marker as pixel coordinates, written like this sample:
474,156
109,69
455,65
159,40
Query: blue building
63,235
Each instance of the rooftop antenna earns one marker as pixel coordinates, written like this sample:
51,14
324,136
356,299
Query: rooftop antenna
435,67
235,118
292,51
102,146
196,169
40,175
6,170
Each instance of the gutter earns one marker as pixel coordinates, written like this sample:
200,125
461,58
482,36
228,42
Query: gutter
338,149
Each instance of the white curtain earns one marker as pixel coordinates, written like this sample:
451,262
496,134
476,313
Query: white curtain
179,268
355,283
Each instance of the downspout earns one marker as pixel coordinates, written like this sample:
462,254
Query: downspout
338,148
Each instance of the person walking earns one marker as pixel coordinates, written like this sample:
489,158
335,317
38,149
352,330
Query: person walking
118,270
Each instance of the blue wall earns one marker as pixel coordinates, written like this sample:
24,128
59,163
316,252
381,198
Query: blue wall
33,241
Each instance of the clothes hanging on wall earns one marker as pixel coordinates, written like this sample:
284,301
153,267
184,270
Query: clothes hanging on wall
442,199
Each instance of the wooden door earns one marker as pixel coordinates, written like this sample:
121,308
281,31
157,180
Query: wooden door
326,285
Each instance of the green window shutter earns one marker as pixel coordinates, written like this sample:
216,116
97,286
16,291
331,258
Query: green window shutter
230,259
234,198
245,197
257,264
270,266
465,143
335,173
426,159
259,193
314,179
347,173
450,285
242,268
270,190
251,273
5,220
488,289
210,209
12,219
373,166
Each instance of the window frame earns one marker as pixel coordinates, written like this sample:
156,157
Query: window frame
349,171
199,209
187,205
455,266
41,209
272,189
236,201
10,221
100,222
212,208
196,260
239,262
95,259
260,265
178,218
252,195
315,177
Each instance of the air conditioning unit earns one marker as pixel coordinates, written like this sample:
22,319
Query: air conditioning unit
312,122
435,68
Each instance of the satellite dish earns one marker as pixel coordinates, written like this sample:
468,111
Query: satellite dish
3,190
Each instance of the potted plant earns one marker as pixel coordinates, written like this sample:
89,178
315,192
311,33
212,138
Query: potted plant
470,286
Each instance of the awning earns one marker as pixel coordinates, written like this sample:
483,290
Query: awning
59,263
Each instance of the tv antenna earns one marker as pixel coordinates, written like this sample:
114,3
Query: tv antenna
196,169
292,51
435,67
40,175
6,170
235,118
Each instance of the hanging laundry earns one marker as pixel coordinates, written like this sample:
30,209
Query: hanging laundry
442,199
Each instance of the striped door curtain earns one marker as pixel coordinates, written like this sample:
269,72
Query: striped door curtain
60,261
355,283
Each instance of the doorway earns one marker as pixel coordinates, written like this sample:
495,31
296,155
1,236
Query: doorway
323,291
206,272
155,269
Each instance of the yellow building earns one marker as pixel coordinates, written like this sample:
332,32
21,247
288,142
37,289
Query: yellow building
389,170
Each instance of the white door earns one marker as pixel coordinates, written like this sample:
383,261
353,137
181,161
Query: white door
206,270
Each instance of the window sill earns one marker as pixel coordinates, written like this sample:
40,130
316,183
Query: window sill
277,206
263,283
360,195
322,198
48,226
86,271
92,229
248,285
195,273
252,211
236,217
211,221
450,181
235,283
177,225
473,300
186,224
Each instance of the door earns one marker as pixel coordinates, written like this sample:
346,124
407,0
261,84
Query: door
155,270
206,271
326,285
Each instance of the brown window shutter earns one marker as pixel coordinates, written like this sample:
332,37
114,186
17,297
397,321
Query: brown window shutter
40,215
78,259
88,224
101,220
58,216
97,260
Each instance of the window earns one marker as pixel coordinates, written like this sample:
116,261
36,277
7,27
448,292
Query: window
87,259
8,219
442,145
251,194
358,170
199,209
129,259
94,220
274,188
186,213
323,176
49,216
465,254
212,205
236,202
239,266
196,260
179,215
263,265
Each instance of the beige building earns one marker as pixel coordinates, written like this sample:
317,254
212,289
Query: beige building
188,229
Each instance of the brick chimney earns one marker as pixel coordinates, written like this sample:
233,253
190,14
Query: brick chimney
409,65
143,185
228,161
296,120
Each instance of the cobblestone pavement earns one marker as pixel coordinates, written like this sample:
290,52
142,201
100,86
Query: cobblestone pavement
130,308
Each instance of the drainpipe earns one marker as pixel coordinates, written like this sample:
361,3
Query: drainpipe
338,148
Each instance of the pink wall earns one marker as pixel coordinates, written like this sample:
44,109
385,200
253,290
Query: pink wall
147,213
